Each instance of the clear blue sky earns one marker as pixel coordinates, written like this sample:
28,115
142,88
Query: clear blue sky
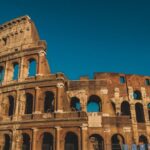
87,36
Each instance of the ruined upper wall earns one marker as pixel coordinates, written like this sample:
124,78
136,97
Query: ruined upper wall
17,33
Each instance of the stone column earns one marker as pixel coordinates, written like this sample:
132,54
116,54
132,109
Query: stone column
36,105
6,72
84,137
57,140
134,123
107,138
17,140
21,70
16,105
2,141
146,113
39,67
34,140
60,94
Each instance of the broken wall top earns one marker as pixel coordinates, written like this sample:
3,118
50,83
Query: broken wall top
18,34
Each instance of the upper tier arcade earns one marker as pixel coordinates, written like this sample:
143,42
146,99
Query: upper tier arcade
22,53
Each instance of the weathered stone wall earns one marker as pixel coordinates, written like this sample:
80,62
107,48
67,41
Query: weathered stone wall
19,42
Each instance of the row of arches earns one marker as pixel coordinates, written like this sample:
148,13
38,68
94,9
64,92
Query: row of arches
9,104
71,142
94,104
15,69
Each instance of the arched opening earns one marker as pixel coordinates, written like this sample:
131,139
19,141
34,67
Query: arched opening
143,141
47,142
147,82
16,71
137,95
7,144
11,106
75,104
117,141
139,113
71,141
49,102
94,104
1,74
32,67
148,107
96,142
125,109
25,141
29,104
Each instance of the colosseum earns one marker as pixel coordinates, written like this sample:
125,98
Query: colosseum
44,111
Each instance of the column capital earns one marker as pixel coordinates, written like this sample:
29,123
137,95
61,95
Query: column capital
60,85
58,128
84,126
35,129
37,88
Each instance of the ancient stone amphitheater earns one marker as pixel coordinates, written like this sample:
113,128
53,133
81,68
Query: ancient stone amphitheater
44,111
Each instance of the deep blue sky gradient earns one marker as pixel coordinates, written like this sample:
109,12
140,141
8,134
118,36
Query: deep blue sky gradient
87,36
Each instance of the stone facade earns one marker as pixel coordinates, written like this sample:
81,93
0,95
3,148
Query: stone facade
48,111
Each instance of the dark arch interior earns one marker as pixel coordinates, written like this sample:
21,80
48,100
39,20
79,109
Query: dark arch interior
7,144
97,142
25,142
94,104
117,140
11,106
49,102
143,140
125,109
29,104
75,104
71,141
137,95
139,113
47,143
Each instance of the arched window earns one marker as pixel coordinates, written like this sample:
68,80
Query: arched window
1,74
96,142
7,144
32,67
147,82
16,71
122,79
47,142
137,95
11,106
25,141
71,141
148,107
49,102
29,104
75,104
125,109
94,104
117,141
139,113
143,140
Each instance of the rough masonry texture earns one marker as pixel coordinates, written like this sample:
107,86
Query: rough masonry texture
45,111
